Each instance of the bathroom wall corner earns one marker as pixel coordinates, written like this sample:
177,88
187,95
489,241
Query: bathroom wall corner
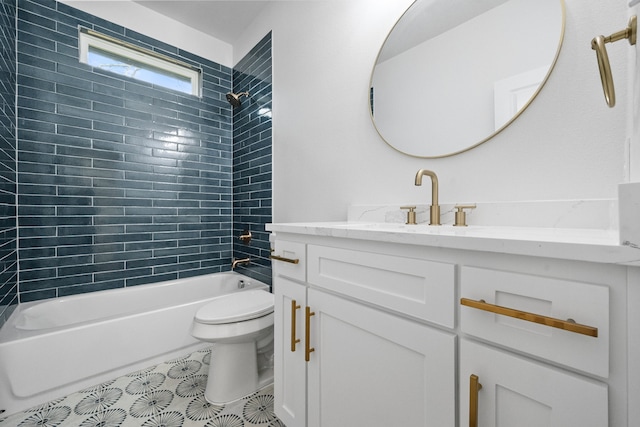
252,159
8,220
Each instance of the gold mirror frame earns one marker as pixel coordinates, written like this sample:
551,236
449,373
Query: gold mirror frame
492,134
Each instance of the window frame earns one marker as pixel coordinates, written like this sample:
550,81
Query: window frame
88,38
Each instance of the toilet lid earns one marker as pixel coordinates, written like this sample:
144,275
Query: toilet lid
235,307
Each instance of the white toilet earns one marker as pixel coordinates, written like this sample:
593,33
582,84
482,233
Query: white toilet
241,326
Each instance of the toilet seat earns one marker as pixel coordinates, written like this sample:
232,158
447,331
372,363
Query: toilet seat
236,307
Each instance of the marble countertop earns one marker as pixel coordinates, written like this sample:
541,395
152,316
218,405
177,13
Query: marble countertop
592,245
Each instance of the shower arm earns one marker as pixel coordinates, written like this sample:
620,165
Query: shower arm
598,44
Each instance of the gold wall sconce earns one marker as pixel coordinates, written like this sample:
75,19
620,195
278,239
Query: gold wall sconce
598,44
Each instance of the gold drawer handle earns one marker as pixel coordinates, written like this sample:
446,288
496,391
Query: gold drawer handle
474,388
294,341
567,325
289,260
307,332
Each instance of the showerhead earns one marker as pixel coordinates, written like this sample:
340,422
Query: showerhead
234,99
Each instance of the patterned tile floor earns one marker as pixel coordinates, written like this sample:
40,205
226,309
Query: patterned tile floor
170,394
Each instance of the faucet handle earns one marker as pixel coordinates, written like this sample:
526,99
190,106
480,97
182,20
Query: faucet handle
246,237
461,215
411,214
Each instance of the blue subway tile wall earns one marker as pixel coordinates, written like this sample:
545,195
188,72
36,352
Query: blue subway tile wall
120,182
252,159
8,225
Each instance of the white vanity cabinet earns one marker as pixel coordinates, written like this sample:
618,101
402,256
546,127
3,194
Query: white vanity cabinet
342,360
556,314
417,331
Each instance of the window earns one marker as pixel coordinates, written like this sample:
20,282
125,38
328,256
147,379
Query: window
122,58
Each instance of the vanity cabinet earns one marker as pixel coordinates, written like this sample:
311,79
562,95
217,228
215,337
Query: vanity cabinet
565,322
423,335
341,360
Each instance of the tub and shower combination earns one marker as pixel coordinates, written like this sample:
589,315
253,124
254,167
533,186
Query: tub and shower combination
55,347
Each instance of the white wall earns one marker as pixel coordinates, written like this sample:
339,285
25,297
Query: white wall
327,155
150,23
634,109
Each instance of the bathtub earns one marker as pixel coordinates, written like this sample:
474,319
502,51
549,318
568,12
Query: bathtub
51,348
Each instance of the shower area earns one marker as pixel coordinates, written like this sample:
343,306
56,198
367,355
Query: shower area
109,182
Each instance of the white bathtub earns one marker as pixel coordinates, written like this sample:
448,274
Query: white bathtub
51,348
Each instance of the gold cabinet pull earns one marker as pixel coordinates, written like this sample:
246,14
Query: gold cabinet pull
474,388
567,325
307,332
294,341
289,260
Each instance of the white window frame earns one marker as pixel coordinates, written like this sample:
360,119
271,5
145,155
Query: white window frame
89,38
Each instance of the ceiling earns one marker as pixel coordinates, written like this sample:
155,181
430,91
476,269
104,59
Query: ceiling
224,20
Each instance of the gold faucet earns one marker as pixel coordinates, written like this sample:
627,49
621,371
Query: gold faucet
434,210
242,261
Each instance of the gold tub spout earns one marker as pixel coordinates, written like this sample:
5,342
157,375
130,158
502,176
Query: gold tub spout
241,261
434,211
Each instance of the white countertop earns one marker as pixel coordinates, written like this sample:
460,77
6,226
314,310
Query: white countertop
561,243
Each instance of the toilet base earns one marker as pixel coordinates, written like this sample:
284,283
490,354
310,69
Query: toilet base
234,372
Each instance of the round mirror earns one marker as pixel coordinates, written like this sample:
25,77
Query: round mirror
453,73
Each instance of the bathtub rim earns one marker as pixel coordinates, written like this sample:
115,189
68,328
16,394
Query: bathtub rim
9,332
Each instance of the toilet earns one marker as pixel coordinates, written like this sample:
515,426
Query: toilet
241,327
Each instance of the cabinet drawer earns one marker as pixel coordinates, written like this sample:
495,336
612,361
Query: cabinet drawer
542,297
419,288
289,260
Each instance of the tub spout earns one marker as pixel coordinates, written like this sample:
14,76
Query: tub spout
241,261
435,207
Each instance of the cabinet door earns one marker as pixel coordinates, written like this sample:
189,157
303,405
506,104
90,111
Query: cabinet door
371,368
289,381
517,392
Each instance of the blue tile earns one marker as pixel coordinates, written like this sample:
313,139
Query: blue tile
151,279
91,287
26,296
123,274
150,168
121,238
41,273
88,249
89,268
122,256
152,262
49,283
